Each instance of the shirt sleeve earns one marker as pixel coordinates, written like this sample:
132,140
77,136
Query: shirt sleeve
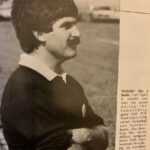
91,118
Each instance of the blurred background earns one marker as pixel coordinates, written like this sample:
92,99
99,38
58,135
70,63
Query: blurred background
95,67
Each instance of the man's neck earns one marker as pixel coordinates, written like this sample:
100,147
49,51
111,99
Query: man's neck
42,54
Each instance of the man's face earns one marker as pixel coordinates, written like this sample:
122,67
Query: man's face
63,40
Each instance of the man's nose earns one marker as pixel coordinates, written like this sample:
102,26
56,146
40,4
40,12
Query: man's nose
75,31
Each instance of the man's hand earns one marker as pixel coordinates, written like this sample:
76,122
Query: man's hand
99,139
91,139
81,135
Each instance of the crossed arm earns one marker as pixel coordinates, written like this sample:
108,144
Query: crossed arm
90,139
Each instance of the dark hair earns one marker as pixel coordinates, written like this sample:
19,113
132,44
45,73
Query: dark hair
38,15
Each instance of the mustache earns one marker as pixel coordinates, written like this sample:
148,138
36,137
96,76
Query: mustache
73,41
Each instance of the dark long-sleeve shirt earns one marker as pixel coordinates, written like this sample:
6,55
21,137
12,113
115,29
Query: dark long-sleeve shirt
36,113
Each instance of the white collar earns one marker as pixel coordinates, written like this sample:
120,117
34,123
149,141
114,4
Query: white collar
39,66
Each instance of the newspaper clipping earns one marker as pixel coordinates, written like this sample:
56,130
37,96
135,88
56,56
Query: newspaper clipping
133,119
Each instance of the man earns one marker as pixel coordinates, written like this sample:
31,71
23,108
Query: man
43,108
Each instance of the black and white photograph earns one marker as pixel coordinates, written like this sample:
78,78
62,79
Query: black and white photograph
58,74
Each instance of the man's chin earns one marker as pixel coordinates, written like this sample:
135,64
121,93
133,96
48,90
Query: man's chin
71,55
72,52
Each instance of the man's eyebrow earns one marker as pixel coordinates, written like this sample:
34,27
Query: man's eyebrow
68,23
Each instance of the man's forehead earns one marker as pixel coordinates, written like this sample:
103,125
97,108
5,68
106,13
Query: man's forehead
63,20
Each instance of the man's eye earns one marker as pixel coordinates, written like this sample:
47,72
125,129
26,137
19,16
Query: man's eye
67,25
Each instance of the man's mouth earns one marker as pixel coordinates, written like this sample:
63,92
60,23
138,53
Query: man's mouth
73,42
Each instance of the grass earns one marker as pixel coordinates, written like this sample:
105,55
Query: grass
95,67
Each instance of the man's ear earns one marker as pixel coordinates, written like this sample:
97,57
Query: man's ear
39,36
